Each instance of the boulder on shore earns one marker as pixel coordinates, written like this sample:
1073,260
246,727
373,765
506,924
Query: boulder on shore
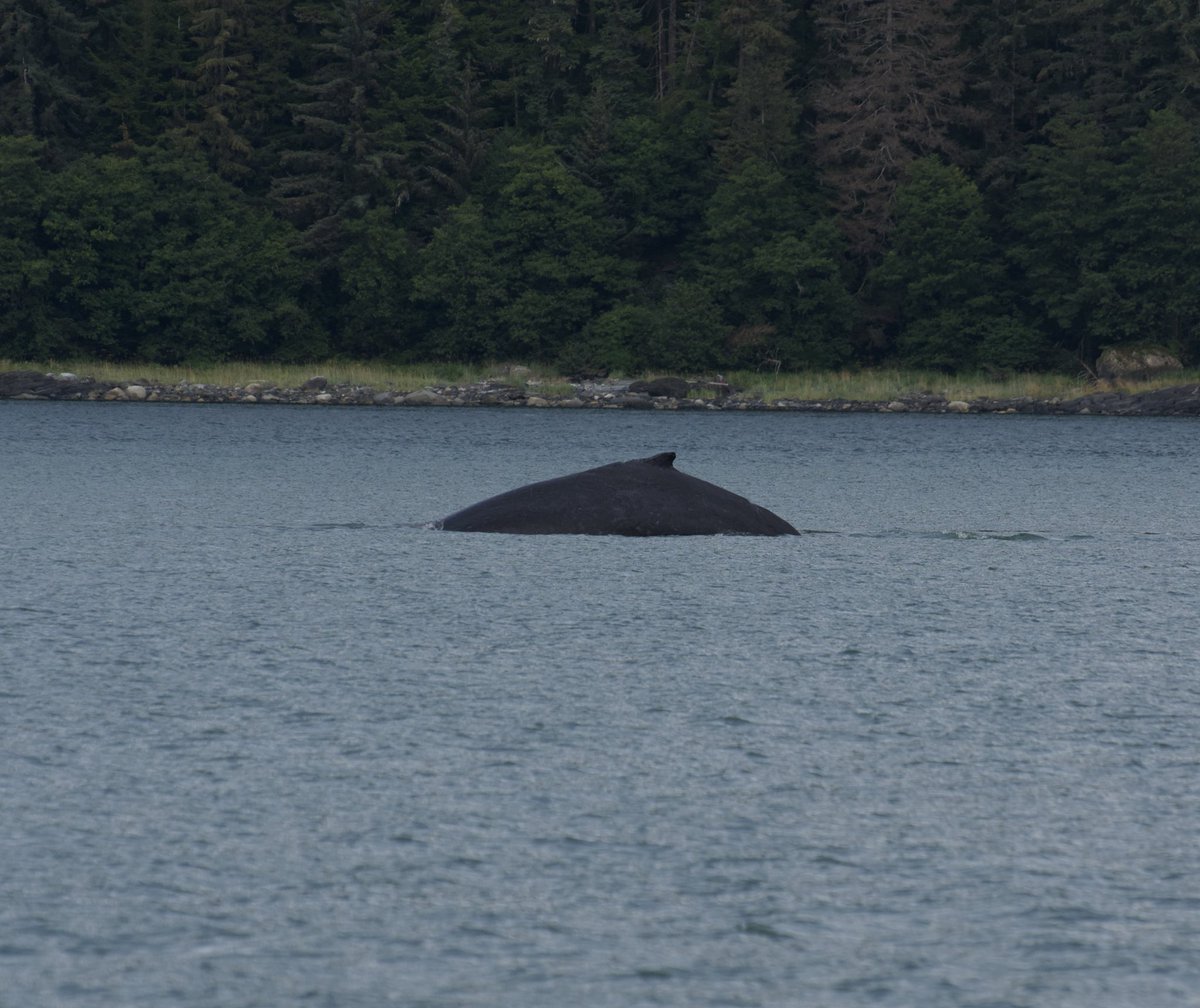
425,397
672,388
1136,362
36,385
15,383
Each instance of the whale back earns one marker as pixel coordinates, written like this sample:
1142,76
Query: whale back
641,497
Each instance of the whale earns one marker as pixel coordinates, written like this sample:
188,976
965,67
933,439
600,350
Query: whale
641,497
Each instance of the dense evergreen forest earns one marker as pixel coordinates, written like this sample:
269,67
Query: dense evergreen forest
673,184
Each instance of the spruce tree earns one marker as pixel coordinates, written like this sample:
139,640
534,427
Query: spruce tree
887,90
453,153
44,72
220,68
1152,225
762,109
1060,219
26,328
346,154
140,51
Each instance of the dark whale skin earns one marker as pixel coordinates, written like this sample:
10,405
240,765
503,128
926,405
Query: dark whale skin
642,497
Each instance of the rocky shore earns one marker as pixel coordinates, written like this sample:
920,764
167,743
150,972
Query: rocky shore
659,394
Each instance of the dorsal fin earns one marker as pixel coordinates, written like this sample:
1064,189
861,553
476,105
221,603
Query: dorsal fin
663,460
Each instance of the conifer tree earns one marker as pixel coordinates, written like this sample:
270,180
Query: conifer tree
237,85
44,74
1168,47
140,47
454,151
219,31
347,155
1060,219
887,90
762,110
524,54
25,329
614,59
1155,272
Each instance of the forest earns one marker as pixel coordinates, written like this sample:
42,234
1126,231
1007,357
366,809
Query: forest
600,184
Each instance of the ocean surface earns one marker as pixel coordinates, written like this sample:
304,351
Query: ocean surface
268,740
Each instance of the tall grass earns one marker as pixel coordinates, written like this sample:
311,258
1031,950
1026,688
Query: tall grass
884,384
866,385
233,374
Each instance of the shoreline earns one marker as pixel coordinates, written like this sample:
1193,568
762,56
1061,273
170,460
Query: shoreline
672,394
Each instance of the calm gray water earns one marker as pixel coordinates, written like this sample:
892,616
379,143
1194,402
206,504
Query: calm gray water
268,741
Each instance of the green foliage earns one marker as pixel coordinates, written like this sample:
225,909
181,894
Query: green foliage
528,275
761,115
345,157
612,342
654,174
1154,280
221,280
375,271
684,184
44,75
140,52
149,258
748,209
775,273
549,228
888,90
1107,234
1061,220
943,278
24,269
460,285
98,215
686,332
803,297
682,331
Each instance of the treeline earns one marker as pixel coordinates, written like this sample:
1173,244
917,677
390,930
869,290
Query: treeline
681,184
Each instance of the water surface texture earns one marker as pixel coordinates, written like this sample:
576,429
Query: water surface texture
267,740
